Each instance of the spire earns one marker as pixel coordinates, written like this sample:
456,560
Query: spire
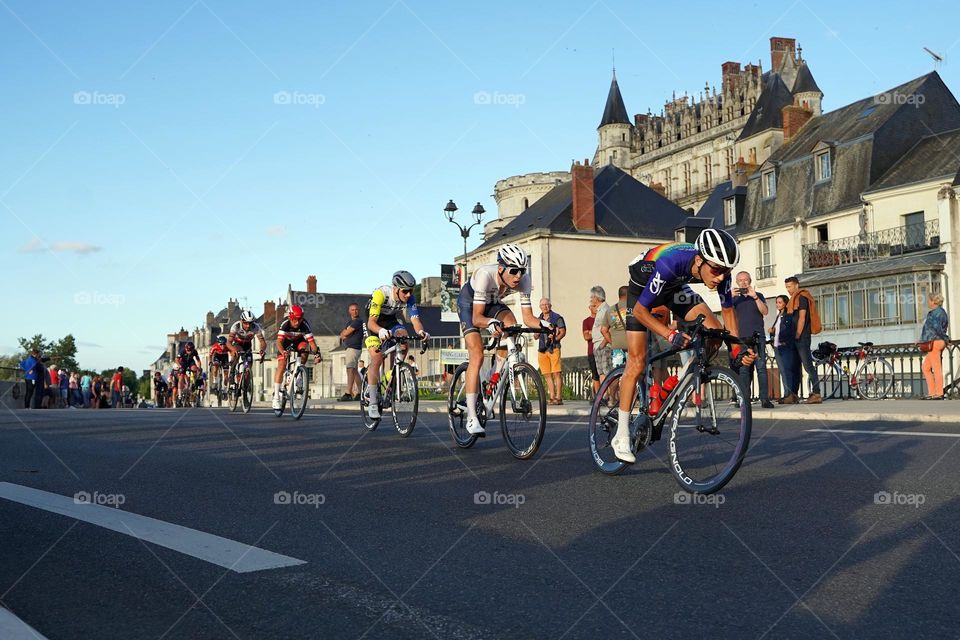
805,82
614,112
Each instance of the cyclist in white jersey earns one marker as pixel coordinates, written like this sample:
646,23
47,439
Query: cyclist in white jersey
480,306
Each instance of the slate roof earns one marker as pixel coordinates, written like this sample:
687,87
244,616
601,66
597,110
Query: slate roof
805,82
861,270
713,207
614,112
624,206
935,156
768,112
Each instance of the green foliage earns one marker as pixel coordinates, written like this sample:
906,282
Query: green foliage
129,378
145,388
64,353
37,342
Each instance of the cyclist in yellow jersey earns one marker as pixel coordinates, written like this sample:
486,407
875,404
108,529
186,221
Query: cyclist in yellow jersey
384,311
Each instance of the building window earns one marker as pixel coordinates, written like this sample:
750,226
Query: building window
822,163
820,233
887,301
526,204
770,184
765,268
707,172
914,229
613,157
730,211
623,137
686,178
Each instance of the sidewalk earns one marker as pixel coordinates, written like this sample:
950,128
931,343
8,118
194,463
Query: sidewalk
831,410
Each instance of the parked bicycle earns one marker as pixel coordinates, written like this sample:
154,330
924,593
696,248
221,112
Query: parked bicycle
709,434
515,390
295,385
399,390
241,390
872,379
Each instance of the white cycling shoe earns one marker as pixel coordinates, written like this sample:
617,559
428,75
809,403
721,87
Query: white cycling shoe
373,411
623,448
276,402
474,427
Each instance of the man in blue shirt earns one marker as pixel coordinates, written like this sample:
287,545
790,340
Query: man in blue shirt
30,366
750,307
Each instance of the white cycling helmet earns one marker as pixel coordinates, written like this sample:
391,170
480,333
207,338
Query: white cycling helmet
719,247
246,316
510,255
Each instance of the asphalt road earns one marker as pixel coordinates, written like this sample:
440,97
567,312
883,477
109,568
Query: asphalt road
386,538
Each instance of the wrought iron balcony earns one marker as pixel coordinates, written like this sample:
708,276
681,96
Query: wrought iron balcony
877,245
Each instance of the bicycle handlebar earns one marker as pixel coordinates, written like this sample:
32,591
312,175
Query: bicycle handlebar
399,340
516,329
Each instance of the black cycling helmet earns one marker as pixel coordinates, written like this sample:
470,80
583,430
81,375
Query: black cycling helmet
221,339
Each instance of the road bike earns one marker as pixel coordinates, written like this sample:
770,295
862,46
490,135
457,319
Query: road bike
872,379
241,390
220,385
189,395
709,434
398,391
515,390
295,385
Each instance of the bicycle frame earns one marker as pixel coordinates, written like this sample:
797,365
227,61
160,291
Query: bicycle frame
515,356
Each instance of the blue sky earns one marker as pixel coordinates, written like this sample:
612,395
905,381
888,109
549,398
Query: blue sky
159,158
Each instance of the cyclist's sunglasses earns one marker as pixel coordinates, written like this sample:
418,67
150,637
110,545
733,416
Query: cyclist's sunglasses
517,271
715,270
406,291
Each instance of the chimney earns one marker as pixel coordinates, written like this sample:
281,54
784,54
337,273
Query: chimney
210,318
311,284
779,48
584,214
231,305
730,73
281,313
640,120
659,188
794,117
269,310
741,171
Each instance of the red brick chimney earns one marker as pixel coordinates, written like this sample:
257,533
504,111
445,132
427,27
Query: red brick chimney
281,313
584,213
269,310
779,48
311,284
794,117
640,120
730,74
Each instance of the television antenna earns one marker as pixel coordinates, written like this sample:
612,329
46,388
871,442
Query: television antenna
937,58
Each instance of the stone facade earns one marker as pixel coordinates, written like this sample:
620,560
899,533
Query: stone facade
516,193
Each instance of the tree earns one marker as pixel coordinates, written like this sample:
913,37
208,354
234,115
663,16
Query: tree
64,353
146,387
129,378
37,342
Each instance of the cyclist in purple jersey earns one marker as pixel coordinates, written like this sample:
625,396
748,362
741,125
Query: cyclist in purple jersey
661,277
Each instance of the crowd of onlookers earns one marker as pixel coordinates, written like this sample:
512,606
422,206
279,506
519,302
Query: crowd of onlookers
49,387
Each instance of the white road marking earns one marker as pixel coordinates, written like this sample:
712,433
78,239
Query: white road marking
13,628
890,433
229,554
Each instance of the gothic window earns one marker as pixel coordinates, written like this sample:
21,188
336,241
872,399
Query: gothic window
526,204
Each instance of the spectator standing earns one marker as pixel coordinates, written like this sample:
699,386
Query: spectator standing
618,327
602,337
352,339
116,387
780,332
74,383
751,306
587,325
54,395
935,332
802,307
64,391
549,351
43,382
85,389
29,366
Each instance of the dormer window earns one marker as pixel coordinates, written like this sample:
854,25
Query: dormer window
730,211
824,169
769,180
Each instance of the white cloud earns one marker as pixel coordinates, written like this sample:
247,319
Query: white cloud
36,244
75,247
277,231
90,345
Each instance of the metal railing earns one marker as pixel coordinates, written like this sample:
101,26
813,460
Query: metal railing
876,245
766,271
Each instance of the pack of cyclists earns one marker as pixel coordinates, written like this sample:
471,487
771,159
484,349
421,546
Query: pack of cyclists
658,277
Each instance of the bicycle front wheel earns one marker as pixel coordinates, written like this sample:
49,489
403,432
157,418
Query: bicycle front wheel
298,393
406,399
709,439
457,409
246,391
831,380
523,411
875,379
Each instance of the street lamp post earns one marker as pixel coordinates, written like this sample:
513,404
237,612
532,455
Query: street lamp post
477,212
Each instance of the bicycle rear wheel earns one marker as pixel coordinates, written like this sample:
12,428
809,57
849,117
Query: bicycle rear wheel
875,379
708,442
406,399
831,379
298,393
234,399
457,409
523,411
370,423
603,424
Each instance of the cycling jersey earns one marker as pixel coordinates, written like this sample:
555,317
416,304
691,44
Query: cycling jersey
384,303
160,385
661,277
245,338
219,350
486,287
187,360
288,333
